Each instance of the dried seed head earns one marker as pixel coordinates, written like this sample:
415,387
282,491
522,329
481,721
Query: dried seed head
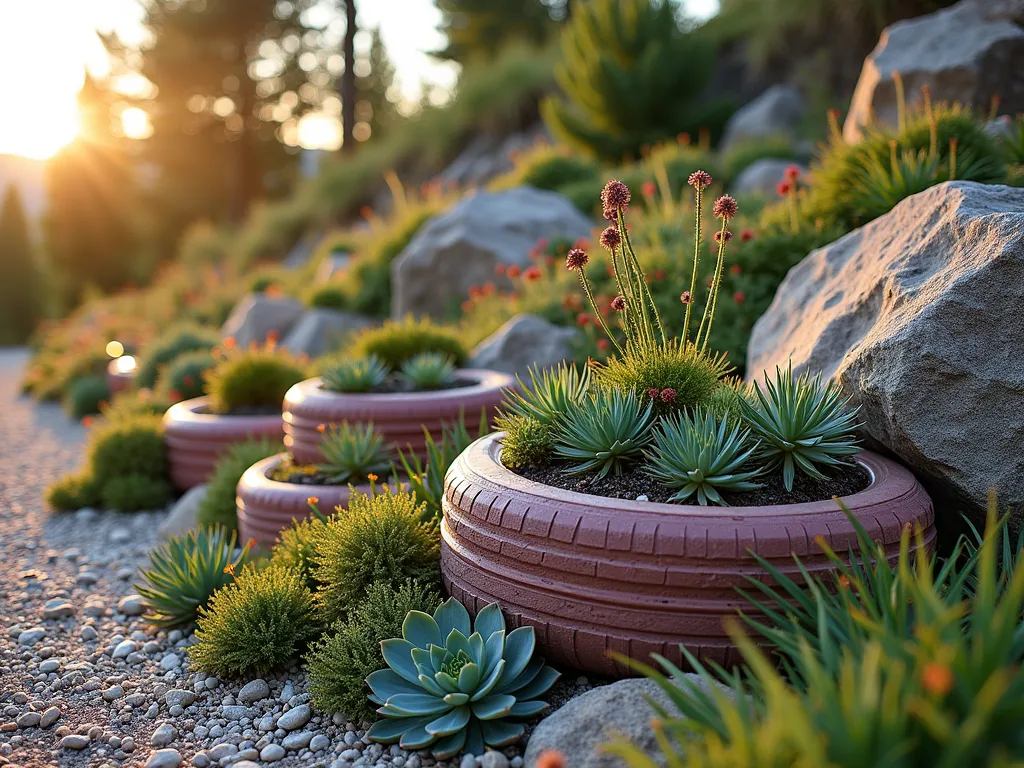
685,297
668,395
619,303
699,180
577,258
615,196
725,207
719,233
611,238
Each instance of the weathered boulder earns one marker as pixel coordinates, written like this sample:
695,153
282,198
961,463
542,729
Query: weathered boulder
761,177
184,515
967,53
522,342
257,315
488,155
777,111
461,247
585,723
918,316
321,330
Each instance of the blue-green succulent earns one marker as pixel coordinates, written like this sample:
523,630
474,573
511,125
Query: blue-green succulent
454,691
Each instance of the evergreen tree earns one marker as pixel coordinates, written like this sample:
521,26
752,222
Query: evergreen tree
90,226
478,29
631,76
374,107
349,91
17,271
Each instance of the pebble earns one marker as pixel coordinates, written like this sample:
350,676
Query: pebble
74,741
170,661
50,665
87,633
87,578
246,764
179,698
58,609
253,691
164,758
294,718
297,740
50,716
163,735
132,605
234,712
319,742
271,753
122,649
200,760
28,720
468,761
494,759
31,636
113,693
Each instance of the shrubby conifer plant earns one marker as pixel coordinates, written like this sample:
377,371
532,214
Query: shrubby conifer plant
663,403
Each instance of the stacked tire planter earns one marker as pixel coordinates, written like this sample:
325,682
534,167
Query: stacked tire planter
593,574
267,506
196,438
399,417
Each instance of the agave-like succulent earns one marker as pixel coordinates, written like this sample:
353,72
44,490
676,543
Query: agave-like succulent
429,370
701,455
603,432
550,393
352,451
801,424
454,691
185,571
360,374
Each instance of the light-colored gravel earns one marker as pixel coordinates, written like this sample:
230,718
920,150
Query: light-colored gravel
85,682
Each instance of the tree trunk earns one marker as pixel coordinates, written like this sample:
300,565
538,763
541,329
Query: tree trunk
348,80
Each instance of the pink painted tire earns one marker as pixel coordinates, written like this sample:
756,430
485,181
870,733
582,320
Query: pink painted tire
266,507
195,438
400,417
593,574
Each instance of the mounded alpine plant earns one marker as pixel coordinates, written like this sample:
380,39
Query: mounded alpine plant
663,404
454,686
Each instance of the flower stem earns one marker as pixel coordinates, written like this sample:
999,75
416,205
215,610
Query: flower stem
699,194
709,310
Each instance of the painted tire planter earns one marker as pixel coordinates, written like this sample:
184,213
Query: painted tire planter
593,574
266,507
399,417
195,438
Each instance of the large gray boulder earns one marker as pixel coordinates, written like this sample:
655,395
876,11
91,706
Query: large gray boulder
584,724
777,111
918,316
461,247
257,316
522,342
967,53
322,330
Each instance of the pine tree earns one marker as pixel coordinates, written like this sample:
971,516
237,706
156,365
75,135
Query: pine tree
478,29
374,107
90,226
348,90
631,77
17,271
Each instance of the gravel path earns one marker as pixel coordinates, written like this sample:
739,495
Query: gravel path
85,682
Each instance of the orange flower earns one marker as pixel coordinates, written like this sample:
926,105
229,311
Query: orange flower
313,500
844,581
87,421
230,568
371,477
321,428
230,342
514,270
937,679
550,758
533,273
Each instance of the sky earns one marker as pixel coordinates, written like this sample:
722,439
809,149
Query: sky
69,46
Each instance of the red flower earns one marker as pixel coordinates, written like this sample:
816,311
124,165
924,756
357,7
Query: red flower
735,269
685,297
649,189
582,319
602,344
725,207
467,306
619,303
514,270
793,172
668,395
739,297
611,238
937,679
653,392
577,258
615,196
499,270
489,288
550,758
533,273
746,235
699,180
475,292
87,421
783,188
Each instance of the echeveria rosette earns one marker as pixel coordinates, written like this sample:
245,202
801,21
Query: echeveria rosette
454,691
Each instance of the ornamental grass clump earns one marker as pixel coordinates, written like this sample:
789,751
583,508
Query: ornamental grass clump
452,685
662,408
252,380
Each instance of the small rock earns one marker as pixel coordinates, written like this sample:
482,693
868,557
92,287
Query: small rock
50,716
50,665
297,740
123,648
87,578
234,711
179,698
87,633
113,693
468,761
493,759
170,661
319,742
74,741
131,605
28,720
163,735
200,760
253,691
31,636
294,718
58,609
271,753
164,758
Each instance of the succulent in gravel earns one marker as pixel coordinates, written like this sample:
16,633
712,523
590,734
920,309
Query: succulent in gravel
603,432
429,370
801,424
699,455
351,452
359,374
454,691
550,393
185,571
